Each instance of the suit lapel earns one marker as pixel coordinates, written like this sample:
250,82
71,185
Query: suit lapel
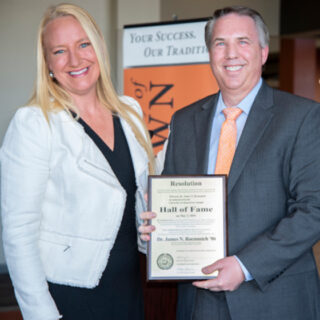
203,133
258,120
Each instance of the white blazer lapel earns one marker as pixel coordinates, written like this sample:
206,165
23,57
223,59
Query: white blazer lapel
91,160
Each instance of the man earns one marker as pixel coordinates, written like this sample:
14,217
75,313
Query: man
273,182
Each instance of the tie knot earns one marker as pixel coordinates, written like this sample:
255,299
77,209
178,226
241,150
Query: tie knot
232,113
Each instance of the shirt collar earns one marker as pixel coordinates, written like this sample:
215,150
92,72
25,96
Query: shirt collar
245,104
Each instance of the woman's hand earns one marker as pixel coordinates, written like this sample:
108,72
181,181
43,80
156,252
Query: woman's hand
145,229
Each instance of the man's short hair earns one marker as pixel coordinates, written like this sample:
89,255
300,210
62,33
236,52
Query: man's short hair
262,29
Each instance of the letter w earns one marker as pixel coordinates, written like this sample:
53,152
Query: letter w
162,126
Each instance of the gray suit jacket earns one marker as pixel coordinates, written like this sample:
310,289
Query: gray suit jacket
273,202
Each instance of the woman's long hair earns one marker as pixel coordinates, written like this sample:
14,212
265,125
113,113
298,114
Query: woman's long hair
51,97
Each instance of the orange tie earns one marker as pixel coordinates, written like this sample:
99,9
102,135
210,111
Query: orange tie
227,141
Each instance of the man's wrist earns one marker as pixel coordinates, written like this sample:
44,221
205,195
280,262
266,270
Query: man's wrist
247,274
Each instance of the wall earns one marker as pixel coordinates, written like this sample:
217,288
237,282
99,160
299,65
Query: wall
132,12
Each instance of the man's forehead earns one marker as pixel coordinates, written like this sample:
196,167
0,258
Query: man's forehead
237,26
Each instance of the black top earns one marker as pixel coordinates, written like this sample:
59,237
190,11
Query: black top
119,293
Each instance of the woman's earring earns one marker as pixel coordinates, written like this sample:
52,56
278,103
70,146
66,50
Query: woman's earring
51,74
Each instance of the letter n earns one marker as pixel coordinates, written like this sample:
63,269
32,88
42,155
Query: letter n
156,98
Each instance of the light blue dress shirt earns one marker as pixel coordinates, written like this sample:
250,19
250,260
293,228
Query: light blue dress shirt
245,105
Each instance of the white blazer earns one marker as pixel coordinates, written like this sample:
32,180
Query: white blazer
61,205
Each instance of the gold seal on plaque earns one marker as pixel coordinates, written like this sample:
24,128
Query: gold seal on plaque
165,261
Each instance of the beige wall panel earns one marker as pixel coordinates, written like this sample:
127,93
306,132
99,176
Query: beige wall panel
132,12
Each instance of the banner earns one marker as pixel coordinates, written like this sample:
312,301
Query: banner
166,67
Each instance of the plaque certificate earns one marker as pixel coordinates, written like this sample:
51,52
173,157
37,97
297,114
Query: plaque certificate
190,225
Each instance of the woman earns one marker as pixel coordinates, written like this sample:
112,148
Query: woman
74,166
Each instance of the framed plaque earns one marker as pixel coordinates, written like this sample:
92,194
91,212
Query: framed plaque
190,226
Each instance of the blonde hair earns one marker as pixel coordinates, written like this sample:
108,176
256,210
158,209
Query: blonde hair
51,97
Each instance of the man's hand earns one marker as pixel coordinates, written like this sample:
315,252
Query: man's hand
144,228
229,278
